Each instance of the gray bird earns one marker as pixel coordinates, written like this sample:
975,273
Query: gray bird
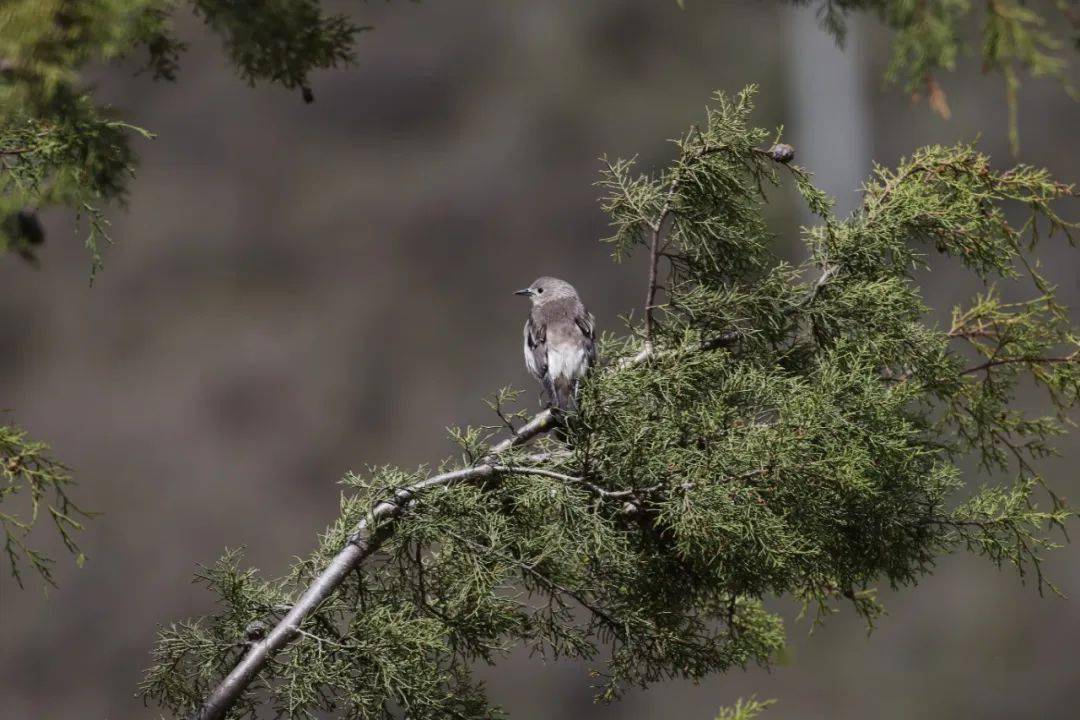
560,340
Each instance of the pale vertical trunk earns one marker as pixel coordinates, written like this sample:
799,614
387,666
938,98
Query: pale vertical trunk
827,118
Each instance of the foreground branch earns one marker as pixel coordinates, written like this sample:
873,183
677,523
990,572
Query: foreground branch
364,542
374,529
655,250
715,451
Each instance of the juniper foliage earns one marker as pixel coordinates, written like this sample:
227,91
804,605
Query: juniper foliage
1011,37
744,710
787,431
31,476
60,147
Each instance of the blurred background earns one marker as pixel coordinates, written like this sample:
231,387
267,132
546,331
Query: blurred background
285,274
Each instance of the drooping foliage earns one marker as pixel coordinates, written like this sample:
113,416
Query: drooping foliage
60,147
34,489
788,431
1010,37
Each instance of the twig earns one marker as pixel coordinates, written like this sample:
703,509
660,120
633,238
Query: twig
779,153
1029,360
515,470
553,456
321,640
720,341
827,272
590,486
611,622
654,258
968,334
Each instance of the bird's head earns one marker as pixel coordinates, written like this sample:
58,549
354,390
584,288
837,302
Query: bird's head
546,289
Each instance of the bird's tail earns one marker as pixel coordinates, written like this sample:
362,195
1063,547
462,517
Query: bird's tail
564,395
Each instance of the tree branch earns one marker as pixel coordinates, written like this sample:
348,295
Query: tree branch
373,531
654,258
779,153
1027,360
570,479
364,542
377,526
826,274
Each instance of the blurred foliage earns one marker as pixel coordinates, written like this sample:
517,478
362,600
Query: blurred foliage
58,147
28,471
280,41
744,710
815,453
1035,36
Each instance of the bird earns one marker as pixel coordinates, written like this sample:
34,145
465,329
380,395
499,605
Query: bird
560,341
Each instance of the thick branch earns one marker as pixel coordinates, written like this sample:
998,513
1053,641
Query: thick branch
369,536
364,542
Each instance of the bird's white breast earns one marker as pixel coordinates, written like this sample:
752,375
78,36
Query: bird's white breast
567,361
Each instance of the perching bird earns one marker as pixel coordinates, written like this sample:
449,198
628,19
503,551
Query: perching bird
560,340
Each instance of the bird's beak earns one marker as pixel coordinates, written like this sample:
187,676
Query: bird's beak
524,291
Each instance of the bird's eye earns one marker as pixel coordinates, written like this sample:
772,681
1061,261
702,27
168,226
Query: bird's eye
539,290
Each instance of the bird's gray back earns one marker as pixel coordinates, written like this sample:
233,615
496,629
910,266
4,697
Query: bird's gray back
559,315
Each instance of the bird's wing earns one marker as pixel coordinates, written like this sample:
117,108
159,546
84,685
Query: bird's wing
587,324
536,357
536,349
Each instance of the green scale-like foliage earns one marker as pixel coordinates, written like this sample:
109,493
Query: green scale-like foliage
795,431
33,488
